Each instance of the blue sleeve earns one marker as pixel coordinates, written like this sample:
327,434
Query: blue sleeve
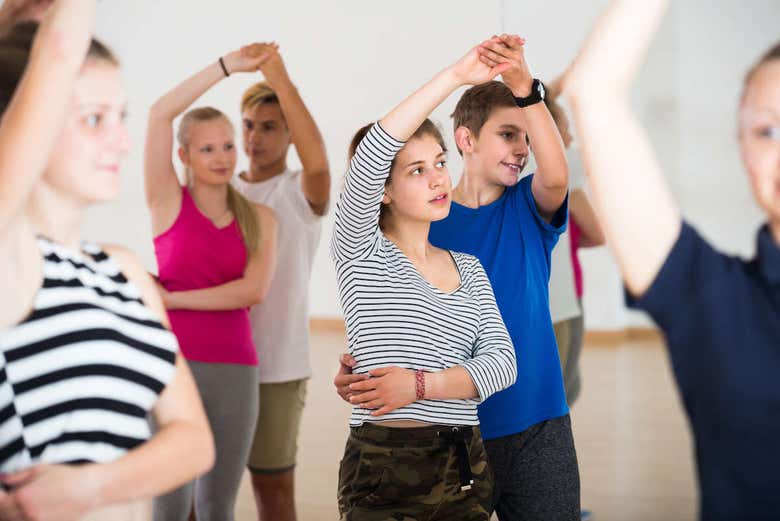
550,231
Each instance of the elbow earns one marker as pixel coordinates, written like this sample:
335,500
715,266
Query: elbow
159,112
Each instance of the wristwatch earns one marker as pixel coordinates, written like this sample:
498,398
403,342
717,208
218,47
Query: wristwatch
537,95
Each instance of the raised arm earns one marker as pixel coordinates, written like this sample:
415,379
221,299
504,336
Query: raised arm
357,210
163,192
36,113
315,180
240,293
639,216
551,180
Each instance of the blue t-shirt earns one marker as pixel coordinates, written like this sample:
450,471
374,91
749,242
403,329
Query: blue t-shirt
513,243
721,319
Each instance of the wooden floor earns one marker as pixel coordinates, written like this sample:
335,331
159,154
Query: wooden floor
633,442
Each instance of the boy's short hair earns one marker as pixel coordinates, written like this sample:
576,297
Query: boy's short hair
258,94
478,102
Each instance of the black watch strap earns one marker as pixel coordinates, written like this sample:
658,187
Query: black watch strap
536,96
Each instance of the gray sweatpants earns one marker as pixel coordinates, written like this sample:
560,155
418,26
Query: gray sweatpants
229,394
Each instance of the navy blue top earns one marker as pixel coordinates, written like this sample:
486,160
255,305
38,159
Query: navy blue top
721,319
513,243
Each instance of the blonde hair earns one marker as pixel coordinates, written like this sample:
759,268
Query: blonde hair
243,211
258,94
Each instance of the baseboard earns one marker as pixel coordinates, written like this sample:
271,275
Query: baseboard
327,325
594,336
618,336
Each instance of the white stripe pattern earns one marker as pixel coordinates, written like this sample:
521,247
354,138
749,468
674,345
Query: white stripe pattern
396,317
80,374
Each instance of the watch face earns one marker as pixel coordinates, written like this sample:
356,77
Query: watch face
541,89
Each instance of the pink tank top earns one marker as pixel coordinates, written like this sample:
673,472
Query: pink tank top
195,254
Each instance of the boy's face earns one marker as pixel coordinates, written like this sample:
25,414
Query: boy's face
500,153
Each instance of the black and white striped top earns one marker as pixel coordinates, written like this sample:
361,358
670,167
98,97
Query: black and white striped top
394,316
79,375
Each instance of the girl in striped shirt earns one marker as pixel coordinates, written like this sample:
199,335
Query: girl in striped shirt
84,355
422,323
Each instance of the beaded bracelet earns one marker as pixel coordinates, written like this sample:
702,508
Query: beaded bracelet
419,383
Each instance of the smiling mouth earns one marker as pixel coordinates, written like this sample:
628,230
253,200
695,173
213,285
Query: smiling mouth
439,198
516,168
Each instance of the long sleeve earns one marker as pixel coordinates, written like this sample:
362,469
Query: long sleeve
357,210
494,366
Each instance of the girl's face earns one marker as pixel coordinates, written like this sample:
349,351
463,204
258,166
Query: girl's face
211,153
419,187
85,162
759,136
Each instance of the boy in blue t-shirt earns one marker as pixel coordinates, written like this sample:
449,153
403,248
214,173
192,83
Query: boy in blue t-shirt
511,225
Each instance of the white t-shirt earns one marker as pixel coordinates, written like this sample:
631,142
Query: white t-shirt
563,292
280,323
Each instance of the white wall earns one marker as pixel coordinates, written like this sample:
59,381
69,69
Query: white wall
352,60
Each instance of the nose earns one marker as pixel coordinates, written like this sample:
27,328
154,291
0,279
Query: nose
438,178
522,148
120,139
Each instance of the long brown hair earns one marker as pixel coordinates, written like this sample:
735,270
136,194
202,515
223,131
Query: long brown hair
15,47
243,211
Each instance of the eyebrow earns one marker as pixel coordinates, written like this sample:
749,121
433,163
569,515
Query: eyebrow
101,106
508,126
259,121
414,163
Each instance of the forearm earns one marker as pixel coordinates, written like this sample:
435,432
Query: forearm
33,119
185,93
407,116
304,131
237,294
173,456
552,170
454,383
608,62
639,216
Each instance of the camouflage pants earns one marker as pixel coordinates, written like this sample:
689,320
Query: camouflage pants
394,474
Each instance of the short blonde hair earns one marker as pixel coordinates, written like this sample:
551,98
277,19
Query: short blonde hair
258,94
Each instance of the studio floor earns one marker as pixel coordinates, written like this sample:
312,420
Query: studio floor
632,439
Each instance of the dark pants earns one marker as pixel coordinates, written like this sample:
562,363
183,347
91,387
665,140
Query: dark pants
536,473
418,474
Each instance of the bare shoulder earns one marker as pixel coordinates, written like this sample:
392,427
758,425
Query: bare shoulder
134,270
21,273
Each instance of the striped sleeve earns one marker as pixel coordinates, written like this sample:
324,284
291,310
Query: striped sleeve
493,366
357,210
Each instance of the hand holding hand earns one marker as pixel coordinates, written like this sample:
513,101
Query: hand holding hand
249,58
472,70
389,388
345,377
49,492
508,49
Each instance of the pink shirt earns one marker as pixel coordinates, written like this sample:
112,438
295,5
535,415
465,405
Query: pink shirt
195,254
574,235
